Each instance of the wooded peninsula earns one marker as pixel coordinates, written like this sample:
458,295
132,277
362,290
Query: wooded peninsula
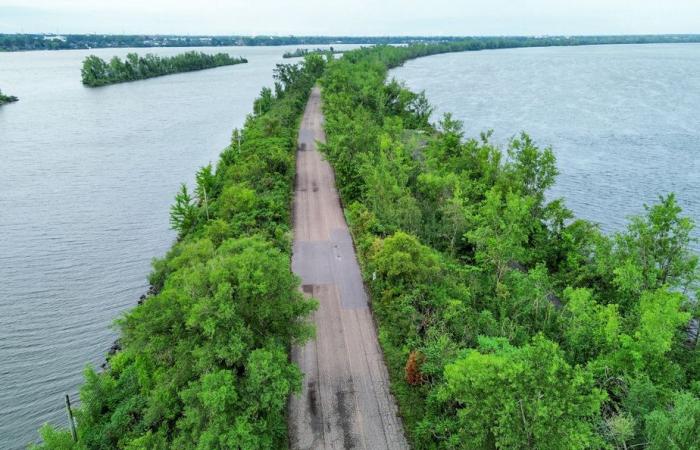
505,321
98,72
7,98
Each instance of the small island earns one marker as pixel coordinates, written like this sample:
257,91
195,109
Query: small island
298,53
7,98
98,72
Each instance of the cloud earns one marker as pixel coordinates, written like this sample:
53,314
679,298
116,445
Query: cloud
352,17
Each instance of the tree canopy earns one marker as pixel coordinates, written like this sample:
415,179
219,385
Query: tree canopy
505,321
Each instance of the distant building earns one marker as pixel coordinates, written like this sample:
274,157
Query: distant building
55,38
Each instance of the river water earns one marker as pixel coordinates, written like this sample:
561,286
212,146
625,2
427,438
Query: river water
86,180
623,121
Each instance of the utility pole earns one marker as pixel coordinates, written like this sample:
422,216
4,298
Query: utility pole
236,138
206,202
71,420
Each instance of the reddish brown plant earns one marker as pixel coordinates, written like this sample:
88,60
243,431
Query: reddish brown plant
414,377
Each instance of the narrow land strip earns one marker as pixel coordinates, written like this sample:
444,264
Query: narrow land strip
345,401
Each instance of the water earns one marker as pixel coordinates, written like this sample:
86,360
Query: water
86,180
623,121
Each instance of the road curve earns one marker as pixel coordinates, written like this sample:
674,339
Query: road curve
345,401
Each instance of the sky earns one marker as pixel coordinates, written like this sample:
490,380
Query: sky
351,17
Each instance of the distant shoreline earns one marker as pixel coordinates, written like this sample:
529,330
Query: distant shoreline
29,42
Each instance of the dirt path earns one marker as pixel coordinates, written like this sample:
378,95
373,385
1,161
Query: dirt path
345,402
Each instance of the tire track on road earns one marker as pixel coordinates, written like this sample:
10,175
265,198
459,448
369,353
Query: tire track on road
345,400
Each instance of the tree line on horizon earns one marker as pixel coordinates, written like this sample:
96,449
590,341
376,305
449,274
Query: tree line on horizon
98,72
23,42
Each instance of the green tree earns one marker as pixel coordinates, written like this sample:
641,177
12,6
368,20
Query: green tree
387,195
401,262
530,169
676,427
506,397
183,214
206,187
501,232
94,71
654,251
589,328
264,102
55,439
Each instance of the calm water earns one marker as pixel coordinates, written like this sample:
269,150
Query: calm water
86,180
623,121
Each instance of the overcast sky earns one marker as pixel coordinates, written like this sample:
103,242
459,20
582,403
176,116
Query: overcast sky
352,17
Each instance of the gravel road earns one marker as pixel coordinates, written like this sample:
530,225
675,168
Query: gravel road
345,402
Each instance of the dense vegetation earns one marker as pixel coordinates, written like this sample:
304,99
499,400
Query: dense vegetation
507,323
7,98
98,72
20,42
300,52
204,361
